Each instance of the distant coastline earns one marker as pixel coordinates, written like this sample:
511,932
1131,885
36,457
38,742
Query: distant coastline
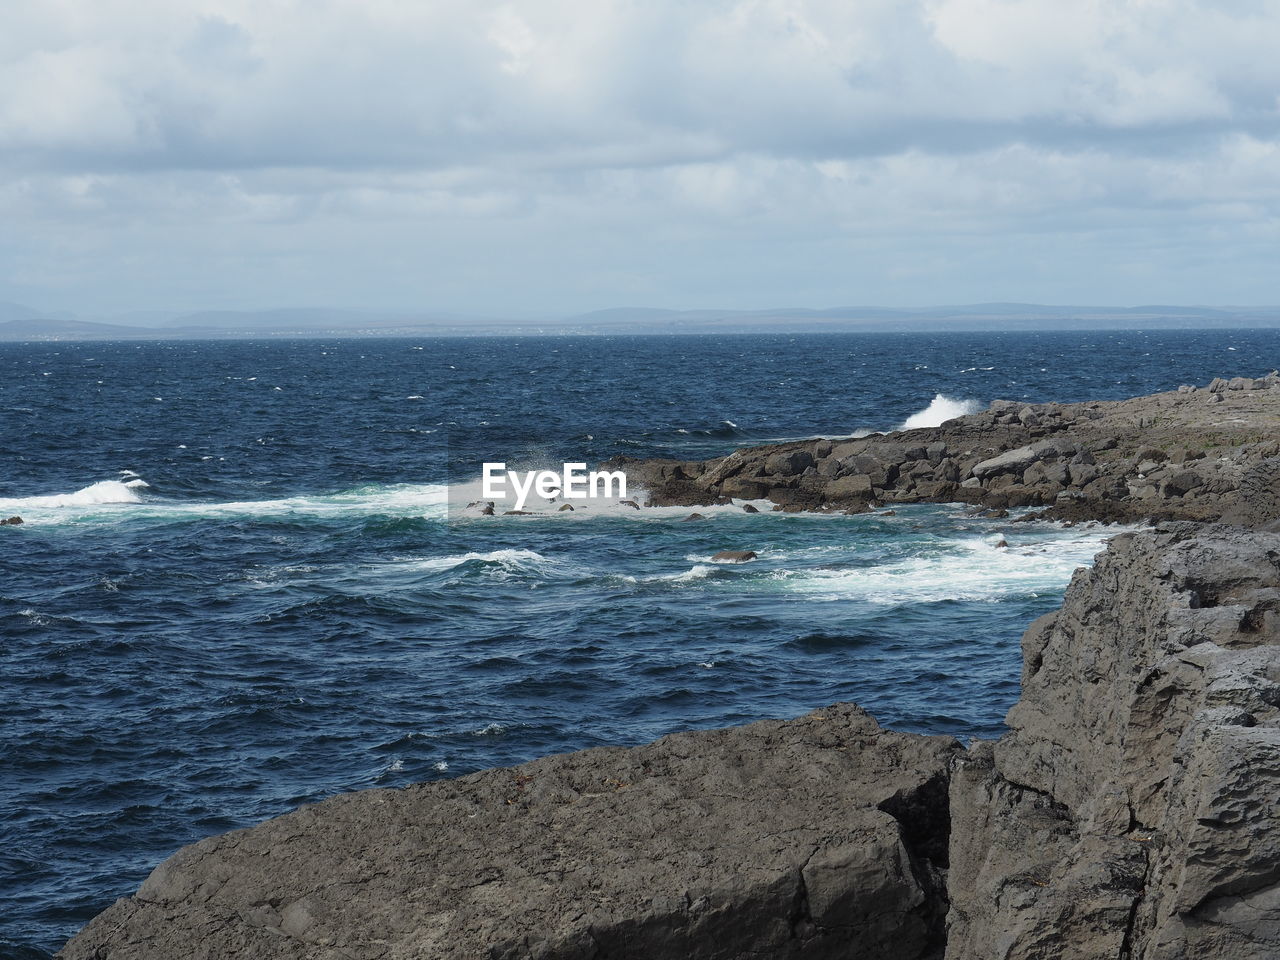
20,323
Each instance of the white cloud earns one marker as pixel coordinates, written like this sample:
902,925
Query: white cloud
517,144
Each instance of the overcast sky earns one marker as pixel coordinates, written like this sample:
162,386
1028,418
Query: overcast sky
546,156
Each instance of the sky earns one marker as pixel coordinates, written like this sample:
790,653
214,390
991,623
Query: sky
547,157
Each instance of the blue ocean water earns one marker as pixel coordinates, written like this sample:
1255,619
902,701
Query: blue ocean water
238,588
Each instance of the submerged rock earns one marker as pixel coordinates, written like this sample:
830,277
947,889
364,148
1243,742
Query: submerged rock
735,556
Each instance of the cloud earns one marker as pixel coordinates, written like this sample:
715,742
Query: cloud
556,132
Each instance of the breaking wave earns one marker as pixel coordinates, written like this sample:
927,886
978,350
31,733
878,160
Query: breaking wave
939,412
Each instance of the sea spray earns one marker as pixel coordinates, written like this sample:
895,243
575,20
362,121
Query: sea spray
938,412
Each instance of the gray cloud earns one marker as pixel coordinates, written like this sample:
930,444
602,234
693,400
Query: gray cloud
550,156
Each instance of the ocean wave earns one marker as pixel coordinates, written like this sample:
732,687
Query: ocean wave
938,412
96,494
108,500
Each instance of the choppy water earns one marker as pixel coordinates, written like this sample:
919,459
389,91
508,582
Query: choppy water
237,588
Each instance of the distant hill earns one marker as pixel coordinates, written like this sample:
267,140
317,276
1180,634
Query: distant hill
19,323
46,328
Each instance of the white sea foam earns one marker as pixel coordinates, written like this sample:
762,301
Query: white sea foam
109,500
938,412
700,572
102,492
969,569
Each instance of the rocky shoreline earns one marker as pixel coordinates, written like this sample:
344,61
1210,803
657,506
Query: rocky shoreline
1131,812
1184,454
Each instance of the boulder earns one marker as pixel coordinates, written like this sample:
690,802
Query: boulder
745,488
788,463
855,485
748,508
1181,483
11,522
1011,461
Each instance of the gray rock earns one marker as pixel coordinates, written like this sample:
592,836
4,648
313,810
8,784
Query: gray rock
745,488
789,463
822,837
1131,810
1011,461
855,485
1182,483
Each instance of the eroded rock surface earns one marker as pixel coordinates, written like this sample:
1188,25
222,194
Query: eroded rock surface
818,837
1133,811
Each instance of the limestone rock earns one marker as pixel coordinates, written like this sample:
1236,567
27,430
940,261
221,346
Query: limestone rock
1137,787
820,837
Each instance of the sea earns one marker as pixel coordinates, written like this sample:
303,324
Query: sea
240,586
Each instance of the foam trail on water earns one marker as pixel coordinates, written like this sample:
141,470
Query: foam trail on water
104,491
938,412
965,569
111,500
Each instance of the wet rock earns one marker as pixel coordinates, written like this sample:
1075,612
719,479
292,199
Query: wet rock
734,556
748,508
11,522
629,503
564,507
694,516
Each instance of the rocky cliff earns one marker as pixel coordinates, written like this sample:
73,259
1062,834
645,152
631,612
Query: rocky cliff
1131,813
